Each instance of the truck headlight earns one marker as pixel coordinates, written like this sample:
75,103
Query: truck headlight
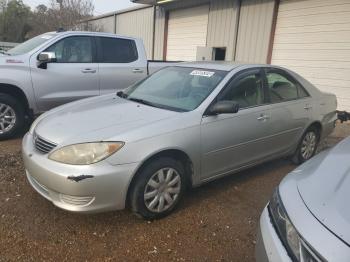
296,247
85,154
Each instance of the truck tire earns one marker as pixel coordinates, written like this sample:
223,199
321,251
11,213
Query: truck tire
12,117
158,188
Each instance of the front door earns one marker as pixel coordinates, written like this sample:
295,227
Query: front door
232,141
74,76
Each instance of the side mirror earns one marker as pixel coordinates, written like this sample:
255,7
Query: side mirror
224,107
46,57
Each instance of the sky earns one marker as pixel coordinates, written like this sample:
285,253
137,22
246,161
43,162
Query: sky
101,6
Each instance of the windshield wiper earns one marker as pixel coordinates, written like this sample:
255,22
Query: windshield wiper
141,101
4,52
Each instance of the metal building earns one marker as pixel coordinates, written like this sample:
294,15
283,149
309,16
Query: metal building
312,37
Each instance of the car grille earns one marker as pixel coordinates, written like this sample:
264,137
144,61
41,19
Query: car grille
42,145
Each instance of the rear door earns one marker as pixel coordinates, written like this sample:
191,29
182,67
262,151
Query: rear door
232,141
121,63
74,76
291,109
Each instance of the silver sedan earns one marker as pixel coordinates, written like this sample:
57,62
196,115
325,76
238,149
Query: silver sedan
182,126
308,217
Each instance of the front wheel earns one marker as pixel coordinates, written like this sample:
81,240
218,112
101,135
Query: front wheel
11,117
307,146
158,188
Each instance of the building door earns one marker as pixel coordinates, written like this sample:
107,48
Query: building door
313,39
187,30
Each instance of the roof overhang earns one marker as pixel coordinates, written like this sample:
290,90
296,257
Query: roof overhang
152,2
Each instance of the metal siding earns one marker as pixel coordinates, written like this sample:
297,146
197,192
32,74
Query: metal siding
187,29
159,33
313,38
222,25
138,23
254,31
105,24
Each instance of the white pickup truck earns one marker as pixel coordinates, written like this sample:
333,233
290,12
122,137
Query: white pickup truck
59,67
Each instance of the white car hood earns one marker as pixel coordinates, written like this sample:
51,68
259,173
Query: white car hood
324,185
97,119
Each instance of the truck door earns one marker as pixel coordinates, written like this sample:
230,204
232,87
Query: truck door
121,63
73,76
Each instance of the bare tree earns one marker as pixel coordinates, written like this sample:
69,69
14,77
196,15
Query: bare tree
69,12
60,14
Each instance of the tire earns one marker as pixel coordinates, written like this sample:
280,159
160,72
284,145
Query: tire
10,111
147,187
307,146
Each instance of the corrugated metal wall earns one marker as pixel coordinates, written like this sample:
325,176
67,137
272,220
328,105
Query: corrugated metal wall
138,23
159,33
254,31
105,24
254,21
222,27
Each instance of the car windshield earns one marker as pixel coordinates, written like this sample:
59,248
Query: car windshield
30,44
176,88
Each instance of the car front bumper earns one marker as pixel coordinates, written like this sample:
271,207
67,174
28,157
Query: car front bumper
103,187
269,246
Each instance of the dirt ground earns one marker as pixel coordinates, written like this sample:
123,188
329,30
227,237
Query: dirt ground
216,222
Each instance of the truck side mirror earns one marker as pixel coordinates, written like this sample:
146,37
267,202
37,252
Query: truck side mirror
44,58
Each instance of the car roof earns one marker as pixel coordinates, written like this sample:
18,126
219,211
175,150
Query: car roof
221,65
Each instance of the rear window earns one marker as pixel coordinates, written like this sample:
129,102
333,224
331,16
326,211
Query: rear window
117,50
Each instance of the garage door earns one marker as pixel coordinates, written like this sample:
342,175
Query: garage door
313,38
187,29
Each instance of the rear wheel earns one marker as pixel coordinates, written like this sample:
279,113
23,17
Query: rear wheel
307,146
11,117
158,188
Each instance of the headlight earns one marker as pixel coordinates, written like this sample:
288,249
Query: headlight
85,154
296,247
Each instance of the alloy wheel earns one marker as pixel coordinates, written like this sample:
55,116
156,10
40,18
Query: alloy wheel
162,190
308,145
7,118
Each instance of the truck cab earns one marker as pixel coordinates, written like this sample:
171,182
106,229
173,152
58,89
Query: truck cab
60,67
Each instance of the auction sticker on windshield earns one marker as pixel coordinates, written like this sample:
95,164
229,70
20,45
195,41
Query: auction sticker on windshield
202,73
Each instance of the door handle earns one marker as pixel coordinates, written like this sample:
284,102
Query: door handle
263,117
307,107
137,71
88,70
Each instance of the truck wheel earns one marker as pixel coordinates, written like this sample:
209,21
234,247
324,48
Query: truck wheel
307,146
158,188
11,117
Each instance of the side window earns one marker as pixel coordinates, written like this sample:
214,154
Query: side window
116,50
75,49
246,91
282,88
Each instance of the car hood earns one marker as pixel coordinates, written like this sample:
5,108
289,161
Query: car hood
97,119
324,185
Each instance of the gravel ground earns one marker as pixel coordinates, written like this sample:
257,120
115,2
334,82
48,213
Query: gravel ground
216,222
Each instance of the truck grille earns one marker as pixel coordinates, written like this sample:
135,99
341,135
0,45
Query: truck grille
42,145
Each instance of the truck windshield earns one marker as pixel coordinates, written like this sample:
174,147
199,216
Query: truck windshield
176,88
30,44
